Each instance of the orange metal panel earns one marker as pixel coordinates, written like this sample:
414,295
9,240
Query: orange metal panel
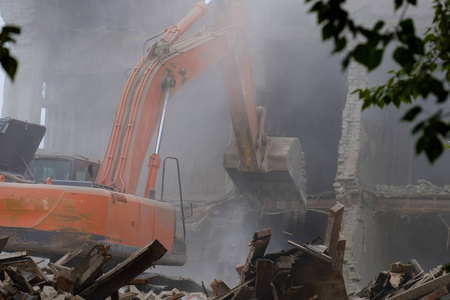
47,207
122,219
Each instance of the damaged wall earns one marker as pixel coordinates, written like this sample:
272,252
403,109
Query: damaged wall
376,151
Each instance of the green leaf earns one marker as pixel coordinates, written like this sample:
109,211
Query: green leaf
398,3
407,26
433,67
368,56
413,2
445,66
420,145
429,38
340,45
446,268
327,31
390,81
416,46
418,127
412,113
316,7
378,26
403,57
346,62
11,29
9,64
433,149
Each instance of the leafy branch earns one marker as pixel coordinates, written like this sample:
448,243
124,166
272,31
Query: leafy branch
424,64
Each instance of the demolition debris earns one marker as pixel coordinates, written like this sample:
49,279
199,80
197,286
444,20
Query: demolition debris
307,271
408,281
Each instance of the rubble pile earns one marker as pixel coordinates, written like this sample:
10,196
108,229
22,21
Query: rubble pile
305,272
422,187
408,281
22,278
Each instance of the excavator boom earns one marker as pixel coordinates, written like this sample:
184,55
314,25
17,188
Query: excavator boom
51,218
175,61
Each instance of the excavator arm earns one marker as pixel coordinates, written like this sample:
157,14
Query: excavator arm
163,71
167,66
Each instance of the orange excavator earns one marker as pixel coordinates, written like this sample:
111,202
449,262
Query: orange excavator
50,219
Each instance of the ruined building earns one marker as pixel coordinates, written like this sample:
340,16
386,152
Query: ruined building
74,57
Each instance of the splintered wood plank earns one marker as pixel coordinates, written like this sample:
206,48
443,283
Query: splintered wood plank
85,272
281,269
423,289
258,247
337,261
291,293
332,233
124,272
436,294
68,256
17,278
138,281
244,293
310,251
263,278
91,266
219,288
235,290
28,264
318,278
115,295
175,297
4,257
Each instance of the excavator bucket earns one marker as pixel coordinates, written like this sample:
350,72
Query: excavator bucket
280,186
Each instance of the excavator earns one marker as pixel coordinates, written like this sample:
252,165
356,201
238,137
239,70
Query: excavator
51,218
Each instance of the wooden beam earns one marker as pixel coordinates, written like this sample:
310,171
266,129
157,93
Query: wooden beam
115,295
244,293
91,266
305,249
436,294
423,289
219,288
68,256
333,227
18,279
235,290
258,245
263,279
125,271
291,293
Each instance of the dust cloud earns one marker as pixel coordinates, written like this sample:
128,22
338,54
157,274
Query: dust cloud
83,51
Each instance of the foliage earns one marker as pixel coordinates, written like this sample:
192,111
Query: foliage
424,64
8,62
446,268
